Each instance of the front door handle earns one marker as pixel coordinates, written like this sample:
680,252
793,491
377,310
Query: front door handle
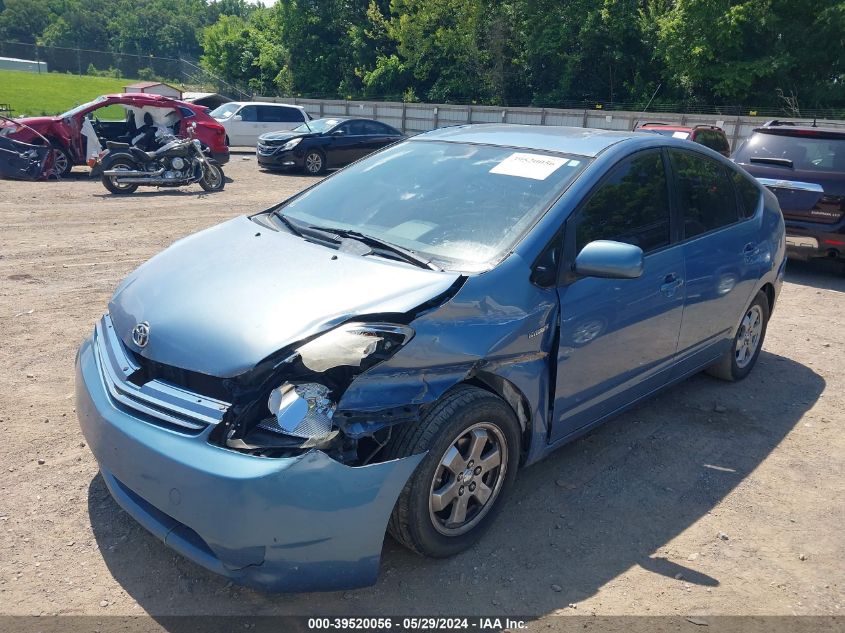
670,285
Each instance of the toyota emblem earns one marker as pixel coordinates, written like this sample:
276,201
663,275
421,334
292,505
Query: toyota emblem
141,334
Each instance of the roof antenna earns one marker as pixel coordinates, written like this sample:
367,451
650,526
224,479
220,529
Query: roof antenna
814,122
646,105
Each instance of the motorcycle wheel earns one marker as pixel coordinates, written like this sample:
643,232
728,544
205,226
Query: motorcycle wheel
109,182
213,178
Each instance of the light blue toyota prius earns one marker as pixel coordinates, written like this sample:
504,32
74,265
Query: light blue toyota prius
386,349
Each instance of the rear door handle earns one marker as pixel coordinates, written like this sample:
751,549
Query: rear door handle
670,285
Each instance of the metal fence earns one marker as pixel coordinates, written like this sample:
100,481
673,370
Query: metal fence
413,118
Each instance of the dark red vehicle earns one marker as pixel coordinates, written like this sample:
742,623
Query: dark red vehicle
707,135
80,134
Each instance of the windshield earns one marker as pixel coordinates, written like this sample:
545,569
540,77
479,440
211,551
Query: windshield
317,125
224,111
81,107
811,153
462,206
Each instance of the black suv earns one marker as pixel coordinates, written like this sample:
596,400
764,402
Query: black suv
805,167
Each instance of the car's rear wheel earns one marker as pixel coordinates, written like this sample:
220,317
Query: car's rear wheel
315,163
472,440
740,359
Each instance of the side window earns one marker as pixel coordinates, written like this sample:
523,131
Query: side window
292,115
631,205
712,139
249,113
279,114
705,192
356,128
269,114
749,194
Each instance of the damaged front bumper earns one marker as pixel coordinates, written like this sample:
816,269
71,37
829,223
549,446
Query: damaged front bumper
304,523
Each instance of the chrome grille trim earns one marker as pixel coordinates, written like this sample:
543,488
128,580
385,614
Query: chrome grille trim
155,398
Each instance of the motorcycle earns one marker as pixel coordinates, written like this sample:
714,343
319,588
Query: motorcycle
124,167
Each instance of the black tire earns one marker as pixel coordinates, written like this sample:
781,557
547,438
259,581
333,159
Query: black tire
62,162
314,162
733,365
119,162
213,179
414,522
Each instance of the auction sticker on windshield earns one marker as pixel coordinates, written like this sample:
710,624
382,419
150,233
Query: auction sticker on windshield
536,166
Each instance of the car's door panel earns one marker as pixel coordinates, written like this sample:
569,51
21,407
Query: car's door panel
722,251
242,128
618,337
346,143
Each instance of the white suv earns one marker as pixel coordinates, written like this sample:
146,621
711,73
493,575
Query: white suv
246,121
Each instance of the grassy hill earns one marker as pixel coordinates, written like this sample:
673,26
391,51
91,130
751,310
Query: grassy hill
34,94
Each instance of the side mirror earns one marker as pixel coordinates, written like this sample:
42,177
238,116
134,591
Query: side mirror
237,117
338,133
608,259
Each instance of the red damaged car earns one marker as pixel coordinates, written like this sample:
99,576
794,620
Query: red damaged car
81,133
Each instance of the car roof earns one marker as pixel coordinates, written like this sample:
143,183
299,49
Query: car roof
801,130
265,103
567,140
664,126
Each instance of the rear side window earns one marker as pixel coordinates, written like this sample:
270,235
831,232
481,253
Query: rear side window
705,192
748,192
631,205
712,139
279,114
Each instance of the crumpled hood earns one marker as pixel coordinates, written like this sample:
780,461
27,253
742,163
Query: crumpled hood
221,300
38,122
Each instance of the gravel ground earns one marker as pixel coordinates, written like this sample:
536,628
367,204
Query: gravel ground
713,498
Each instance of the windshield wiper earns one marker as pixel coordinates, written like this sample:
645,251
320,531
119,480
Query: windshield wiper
331,234
772,160
405,254
292,227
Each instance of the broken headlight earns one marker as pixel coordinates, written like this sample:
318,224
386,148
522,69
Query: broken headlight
301,408
354,345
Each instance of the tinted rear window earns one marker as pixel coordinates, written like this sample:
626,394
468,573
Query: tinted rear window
806,152
279,114
712,139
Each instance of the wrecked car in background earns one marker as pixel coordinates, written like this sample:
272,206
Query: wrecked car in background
19,160
389,346
78,135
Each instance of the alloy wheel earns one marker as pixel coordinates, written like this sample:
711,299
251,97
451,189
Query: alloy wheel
60,163
748,337
468,479
313,163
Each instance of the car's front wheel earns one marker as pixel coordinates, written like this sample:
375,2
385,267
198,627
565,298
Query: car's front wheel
739,360
472,439
62,163
315,162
